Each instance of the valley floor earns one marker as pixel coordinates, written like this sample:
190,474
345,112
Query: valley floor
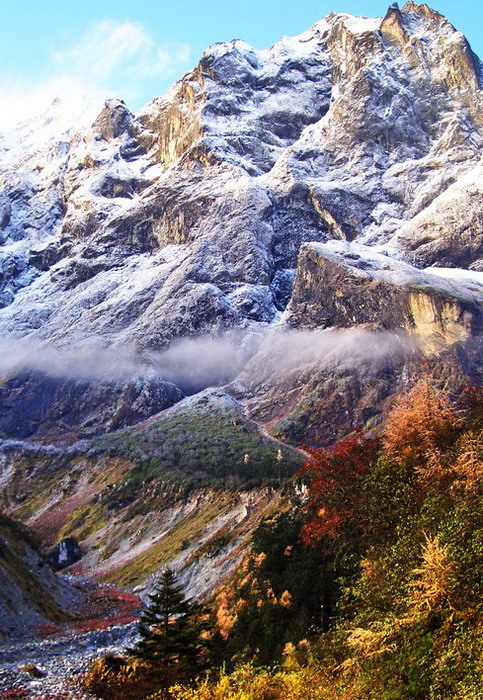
62,661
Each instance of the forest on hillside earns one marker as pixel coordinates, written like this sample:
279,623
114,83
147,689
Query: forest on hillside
368,584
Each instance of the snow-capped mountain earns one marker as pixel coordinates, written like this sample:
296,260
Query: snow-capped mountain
188,217
316,206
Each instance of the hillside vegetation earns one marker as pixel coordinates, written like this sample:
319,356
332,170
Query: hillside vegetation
189,485
370,584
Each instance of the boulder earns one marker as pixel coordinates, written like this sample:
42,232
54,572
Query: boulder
65,553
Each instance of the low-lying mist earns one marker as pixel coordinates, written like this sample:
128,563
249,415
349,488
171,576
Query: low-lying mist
196,363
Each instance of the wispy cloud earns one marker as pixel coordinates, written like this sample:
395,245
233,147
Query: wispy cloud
265,356
112,51
110,59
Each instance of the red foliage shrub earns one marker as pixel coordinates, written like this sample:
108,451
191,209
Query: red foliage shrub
334,475
112,607
109,607
47,629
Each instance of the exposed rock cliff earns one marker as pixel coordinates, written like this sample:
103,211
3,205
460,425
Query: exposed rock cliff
343,285
30,593
36,404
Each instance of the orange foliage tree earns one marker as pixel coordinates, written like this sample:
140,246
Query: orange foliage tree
420,429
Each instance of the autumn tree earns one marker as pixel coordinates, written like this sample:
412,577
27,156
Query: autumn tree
334,480
280,595
420,430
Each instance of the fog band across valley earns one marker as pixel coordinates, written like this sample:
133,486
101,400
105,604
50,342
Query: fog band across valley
195,363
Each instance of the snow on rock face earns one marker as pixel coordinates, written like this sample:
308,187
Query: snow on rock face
448,232
188,217
347,284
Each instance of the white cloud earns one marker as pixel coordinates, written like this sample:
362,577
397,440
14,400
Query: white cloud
111,59
116,51
22,101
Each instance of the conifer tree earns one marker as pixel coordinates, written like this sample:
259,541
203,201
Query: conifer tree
170,631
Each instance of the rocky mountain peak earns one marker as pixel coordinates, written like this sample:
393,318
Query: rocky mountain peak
114,120
392,26
188,218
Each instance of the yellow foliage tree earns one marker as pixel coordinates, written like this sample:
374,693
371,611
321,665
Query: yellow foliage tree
433,585
418,430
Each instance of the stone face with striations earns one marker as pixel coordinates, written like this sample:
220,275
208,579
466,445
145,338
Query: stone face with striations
344,285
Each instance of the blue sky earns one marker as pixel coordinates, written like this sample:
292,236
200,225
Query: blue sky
134,49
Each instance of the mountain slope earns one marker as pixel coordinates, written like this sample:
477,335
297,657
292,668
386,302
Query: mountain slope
300,225
31,594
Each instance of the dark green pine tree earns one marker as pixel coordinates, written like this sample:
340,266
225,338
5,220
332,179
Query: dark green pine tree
170,632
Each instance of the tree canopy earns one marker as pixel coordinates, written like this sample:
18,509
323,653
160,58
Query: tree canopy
170,631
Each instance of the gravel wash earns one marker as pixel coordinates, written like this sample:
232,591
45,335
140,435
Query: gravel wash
62,661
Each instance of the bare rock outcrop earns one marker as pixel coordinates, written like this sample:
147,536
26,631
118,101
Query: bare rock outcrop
346,285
